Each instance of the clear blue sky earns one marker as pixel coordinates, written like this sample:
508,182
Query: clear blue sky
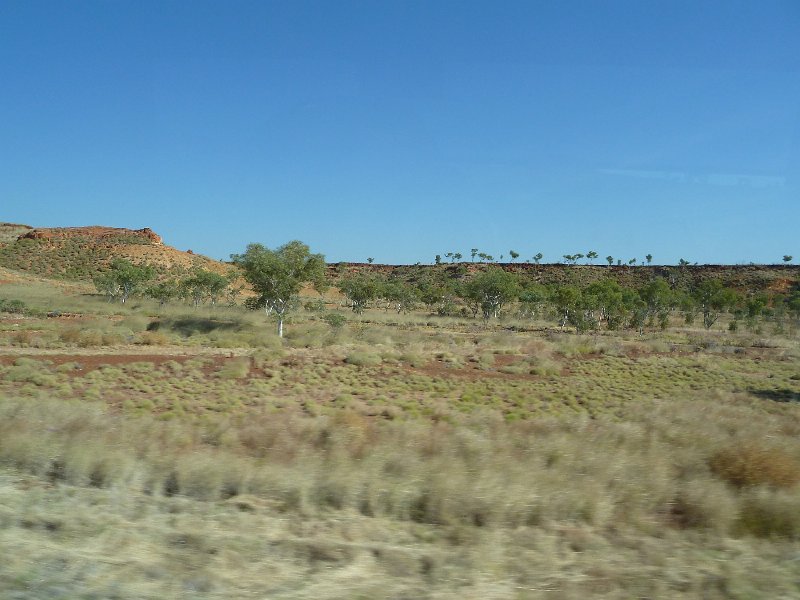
399,130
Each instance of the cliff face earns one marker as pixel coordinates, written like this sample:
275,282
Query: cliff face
94,233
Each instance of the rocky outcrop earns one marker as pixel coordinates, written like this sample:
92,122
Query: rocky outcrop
93,232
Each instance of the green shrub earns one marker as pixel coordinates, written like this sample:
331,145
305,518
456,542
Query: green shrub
413,360
237,368
16,307
765,513
363,359
335,320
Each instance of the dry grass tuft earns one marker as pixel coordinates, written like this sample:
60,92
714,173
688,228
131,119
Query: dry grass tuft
752,464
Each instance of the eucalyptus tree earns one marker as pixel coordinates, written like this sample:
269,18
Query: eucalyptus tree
123,279
565,299
538,257
163,291
437,293
489,291
514,255
591,255
203,284
277,276
659,299
532,298
712,299
399,295
610,260
360,290
607,299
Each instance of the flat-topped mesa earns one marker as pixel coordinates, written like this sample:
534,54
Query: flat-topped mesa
95,231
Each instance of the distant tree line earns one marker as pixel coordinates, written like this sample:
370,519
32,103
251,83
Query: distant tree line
124,279
277,276
603,304
570,259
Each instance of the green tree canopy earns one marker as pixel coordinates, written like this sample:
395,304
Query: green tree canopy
360,290
278,275
490,290
123,279
712,298
203,284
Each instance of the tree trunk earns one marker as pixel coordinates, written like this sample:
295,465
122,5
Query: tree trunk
280,326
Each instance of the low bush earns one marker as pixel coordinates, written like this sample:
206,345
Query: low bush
152,338
14,307
237,368
766,514
363,359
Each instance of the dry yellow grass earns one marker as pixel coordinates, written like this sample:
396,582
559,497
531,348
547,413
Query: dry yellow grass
444,459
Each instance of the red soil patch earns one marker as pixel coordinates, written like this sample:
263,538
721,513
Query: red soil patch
471,373
92,362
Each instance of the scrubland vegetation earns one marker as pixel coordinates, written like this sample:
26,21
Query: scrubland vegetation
477,435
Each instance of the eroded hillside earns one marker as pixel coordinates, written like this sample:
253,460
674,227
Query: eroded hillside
79,253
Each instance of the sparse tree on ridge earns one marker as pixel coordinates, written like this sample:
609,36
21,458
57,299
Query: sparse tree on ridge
474,253
278,275
538,257
649,259
514,255
591,255
787,258
610,260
